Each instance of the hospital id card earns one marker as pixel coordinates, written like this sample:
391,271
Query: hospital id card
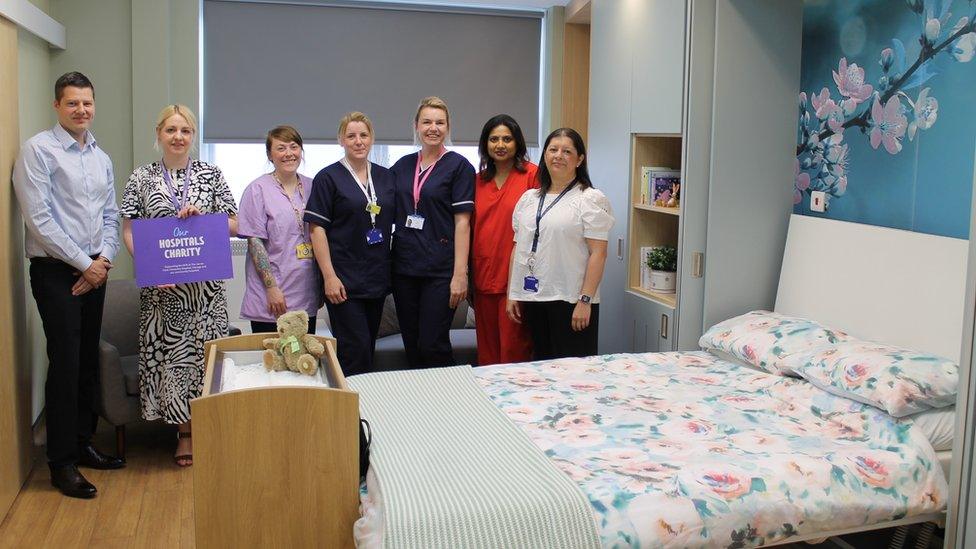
374,236
303,251
415,221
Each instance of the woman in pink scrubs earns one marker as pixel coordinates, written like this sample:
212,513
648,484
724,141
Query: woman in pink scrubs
281,273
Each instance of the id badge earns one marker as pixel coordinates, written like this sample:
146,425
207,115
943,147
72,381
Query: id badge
373,208
530,284
374,236
415,221
303,251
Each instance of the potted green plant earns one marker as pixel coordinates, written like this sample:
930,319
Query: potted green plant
663,262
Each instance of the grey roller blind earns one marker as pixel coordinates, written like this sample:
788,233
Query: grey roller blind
306,65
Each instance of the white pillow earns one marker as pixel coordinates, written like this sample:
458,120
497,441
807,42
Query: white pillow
939,426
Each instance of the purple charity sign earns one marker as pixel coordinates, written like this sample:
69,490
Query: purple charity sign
176,251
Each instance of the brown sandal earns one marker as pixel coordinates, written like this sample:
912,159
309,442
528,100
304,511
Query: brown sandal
183,460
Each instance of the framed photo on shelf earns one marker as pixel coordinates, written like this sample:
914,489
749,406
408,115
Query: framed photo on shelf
665,188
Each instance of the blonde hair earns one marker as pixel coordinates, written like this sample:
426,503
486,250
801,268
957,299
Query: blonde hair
432,102
354,116
170,110
285,134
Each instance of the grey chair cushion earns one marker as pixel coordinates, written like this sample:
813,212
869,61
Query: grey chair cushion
465,343
130,373
391,356
389,325
120,319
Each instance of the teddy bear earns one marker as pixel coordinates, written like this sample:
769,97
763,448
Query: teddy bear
294,349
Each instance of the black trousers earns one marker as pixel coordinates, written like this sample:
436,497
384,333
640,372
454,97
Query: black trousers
271,327
355,323
551,327
72,325
425,314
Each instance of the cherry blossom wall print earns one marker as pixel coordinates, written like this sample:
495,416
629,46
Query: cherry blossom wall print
887,125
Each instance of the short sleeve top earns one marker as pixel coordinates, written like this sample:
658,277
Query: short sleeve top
268,214
449,189
147,195
338,204
561,254
491,243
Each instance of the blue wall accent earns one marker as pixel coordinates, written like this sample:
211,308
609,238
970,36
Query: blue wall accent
909,166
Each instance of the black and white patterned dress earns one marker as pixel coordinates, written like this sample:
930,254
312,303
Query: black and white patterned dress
174,323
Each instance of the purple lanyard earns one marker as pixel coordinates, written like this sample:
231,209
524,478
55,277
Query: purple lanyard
178,204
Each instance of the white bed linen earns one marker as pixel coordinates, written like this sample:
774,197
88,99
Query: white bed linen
939,426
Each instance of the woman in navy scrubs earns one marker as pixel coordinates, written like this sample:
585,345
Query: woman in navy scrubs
350,212
435,198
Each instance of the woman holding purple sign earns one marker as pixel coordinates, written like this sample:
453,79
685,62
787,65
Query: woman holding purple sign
176,320
281,271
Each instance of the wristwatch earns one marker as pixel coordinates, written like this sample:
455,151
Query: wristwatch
583,298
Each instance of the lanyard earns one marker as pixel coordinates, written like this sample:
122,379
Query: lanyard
367,188
301,195
418,183
540,212
178,203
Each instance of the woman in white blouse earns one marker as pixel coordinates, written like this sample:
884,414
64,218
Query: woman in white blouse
561,233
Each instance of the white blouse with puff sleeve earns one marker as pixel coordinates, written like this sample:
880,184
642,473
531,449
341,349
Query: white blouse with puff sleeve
562,254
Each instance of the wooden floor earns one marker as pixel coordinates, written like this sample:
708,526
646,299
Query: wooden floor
150,503
147,504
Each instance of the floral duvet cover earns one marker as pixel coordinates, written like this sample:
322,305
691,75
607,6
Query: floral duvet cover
687,450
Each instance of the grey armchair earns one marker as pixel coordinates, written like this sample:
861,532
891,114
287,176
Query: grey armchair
118,357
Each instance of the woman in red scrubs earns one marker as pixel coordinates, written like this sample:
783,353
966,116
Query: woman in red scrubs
503,176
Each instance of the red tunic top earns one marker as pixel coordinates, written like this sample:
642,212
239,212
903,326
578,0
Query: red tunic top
493,237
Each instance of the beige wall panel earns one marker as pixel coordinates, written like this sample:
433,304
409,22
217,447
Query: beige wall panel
14,376
576,77
35,94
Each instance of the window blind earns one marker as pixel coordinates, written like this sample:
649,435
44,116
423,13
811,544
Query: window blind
271,63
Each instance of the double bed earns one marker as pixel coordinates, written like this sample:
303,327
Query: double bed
685,449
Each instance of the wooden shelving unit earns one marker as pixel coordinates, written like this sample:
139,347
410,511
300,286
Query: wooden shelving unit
658,209
651,225
671,300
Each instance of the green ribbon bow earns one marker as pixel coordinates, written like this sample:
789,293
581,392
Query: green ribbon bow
290,340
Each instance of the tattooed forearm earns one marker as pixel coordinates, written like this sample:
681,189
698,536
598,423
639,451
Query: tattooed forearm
259,256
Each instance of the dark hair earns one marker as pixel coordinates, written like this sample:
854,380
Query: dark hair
582,175
487,169
74,79
285,134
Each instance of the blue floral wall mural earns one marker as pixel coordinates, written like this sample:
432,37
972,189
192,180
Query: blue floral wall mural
887,129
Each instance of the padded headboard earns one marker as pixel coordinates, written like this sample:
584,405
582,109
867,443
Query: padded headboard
879,284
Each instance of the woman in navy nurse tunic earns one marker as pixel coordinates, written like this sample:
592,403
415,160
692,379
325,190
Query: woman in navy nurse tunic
435,198
350,211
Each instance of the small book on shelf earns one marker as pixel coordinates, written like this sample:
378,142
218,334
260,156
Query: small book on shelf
645,270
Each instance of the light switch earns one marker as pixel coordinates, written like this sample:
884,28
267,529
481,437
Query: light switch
818,201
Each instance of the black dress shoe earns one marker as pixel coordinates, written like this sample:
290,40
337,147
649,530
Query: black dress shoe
70,482
89,456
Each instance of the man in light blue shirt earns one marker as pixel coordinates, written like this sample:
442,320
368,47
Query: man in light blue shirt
66,190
